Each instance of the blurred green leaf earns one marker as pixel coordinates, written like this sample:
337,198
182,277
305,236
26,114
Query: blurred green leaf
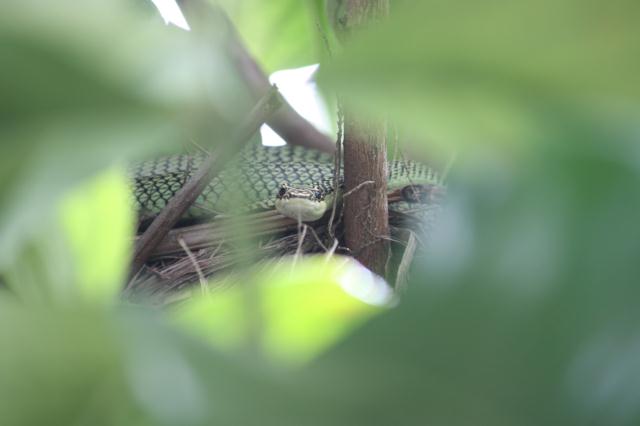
89,84
43,272
83,253
523,311
469,74
98,221
78,366
60,368
280,33
292,311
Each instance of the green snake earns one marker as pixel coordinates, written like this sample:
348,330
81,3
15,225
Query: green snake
296,181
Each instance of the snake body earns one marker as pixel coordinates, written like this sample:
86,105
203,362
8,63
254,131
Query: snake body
254,181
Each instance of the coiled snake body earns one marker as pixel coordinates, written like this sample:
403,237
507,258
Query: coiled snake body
296,181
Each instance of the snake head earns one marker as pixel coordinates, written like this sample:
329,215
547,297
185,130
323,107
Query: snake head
304,204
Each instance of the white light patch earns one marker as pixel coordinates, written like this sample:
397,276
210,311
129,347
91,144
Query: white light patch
171,13
298,88
361,283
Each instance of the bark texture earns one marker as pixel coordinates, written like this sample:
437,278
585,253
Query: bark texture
366,213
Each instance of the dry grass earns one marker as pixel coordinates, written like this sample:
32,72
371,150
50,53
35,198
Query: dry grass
192,254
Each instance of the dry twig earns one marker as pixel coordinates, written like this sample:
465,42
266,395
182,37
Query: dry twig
178,205
203,281
286,122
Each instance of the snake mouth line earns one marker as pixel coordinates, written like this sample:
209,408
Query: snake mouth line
287,192
303,209
304,204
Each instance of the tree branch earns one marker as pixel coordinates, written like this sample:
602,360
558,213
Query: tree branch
185,197
366,215
286,122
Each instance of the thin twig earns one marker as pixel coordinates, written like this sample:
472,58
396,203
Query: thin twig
220,230
215,252
402,276
286,122
333,248
133,278
199,147
337,168
358,187
204,287
318,239
299,248
301,238
186,196
325,38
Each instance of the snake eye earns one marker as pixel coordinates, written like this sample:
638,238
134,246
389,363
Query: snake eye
283,189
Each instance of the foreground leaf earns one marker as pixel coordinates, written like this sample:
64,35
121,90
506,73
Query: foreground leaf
280,33
85,86
291,312
98,222
470,74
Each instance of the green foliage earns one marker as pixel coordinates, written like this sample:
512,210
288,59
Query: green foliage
291,312
80,366
281,33
85,86
522,312
518,73
102,266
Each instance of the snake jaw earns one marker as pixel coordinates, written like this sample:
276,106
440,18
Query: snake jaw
305,204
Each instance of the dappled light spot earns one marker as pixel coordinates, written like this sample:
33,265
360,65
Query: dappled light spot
292,311
171,13
364,285
298,87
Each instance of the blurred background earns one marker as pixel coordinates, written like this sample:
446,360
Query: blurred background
521,310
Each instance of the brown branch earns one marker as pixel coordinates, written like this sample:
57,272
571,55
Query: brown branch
178,205
337,167
220,230
286,122
366,215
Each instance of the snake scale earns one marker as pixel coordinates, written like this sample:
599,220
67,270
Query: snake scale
290,178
